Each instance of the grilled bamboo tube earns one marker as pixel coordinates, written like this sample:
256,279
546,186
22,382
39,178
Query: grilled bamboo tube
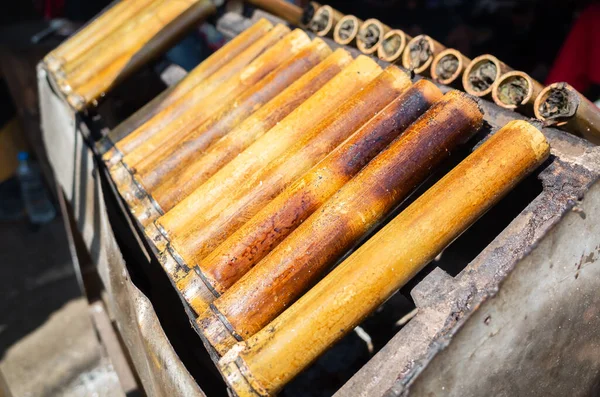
248,245
448,66
385,263
393,45
288,270
308,13
516,90
282,51
94,32
325,20
199,74
105,65
564,105
481,74
167,167
173,190
370,36
218,223
419,54
195,95
284,10
346,30
178,226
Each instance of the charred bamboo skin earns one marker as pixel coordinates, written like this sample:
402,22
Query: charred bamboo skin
223,151
299,260
383,264
199,74
284,10
248,245
470,88
271,180
178,224
198,110
234,113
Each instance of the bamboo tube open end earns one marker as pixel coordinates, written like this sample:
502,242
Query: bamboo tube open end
346,30
308,14
481,74
513,89
447,66
156,237
323,22
370,36
419,54
216,331
557,102
392,46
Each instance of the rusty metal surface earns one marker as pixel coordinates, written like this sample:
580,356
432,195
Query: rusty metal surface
160,369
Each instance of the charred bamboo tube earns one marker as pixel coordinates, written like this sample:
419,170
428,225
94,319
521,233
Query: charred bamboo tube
288,270
138,41
346,30
178,225
448,66
145,157
218,223
516,90
308,13
564,105
370,36
195,95
481,74
198,75
384,263
419,54
155,171
284,10
94,32
325,20
172,191
255,239
393,45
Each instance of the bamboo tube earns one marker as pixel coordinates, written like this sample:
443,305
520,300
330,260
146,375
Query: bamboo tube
385,263
197,76
172,191
124,50
146,156
481,74
568,109
346,30
370,36
288,270
177,225
308,13
150,174
218,223
516,90
419,54
448,66
393,45
255,239
94,32
195,95
284,10
325,20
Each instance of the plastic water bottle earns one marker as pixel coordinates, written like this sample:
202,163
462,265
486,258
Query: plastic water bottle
37,201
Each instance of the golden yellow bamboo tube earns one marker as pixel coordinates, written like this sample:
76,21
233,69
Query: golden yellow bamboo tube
198,75
325,20
346,30
337,304
193,96
419,54
168,167
308,13
281,8
172,191
448,67
563,105
94,32
255,239
299,261
481,74
393,45
178,226
370,36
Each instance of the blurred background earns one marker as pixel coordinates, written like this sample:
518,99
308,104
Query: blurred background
48,346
